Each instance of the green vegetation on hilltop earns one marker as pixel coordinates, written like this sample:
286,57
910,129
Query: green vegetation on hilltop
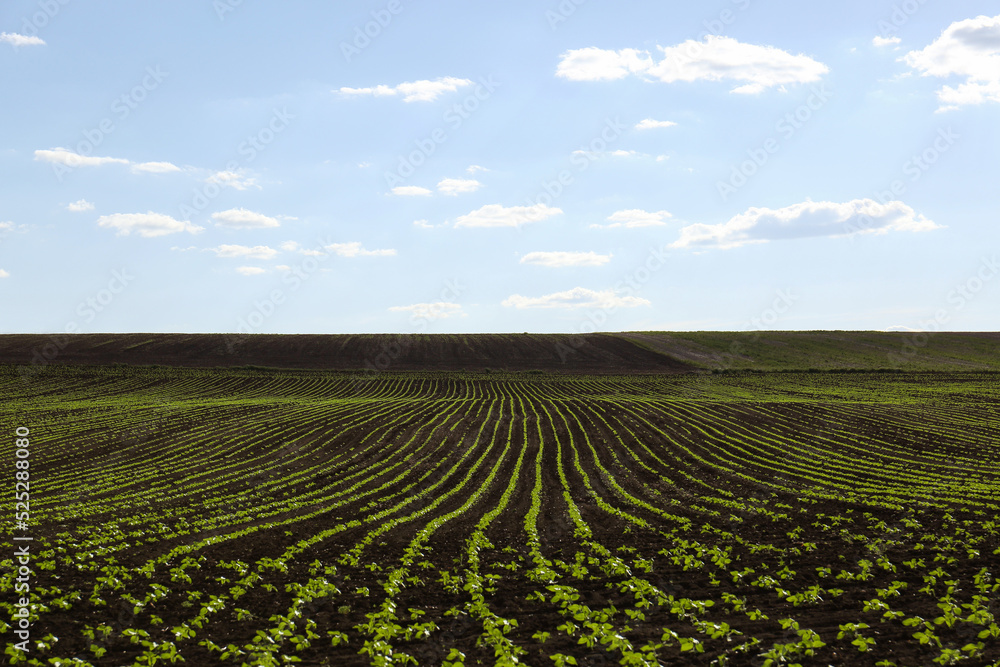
826,350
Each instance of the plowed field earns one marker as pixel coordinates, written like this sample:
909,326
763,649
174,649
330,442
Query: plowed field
263,518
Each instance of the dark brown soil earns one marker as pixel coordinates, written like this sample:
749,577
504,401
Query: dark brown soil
559,353
687,453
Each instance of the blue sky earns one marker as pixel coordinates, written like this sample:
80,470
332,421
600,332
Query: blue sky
397,166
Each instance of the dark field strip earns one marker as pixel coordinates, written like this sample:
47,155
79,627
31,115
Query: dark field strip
264,518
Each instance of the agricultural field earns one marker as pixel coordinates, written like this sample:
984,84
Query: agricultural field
262,517
601,353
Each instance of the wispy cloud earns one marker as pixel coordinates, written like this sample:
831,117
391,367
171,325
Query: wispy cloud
495,215
440,310
146,224
716,58
16,39
238,180
806,220
564,259
68,158
635,217
413,91
650,124
457,186
242,251
578,297
241,218
885,41
155,167
411,191
617,153
80,206
250,270
354,249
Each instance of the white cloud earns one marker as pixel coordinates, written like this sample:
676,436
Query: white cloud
4,274
411,191
423,224
495,215
15,39
561,259
146,224
650,124
250,270
238,179
241,218
885,41
354,249
456,186
155,167
636,217
968,49
806,220
81,205
473,168
8,227
599,155
71,159
578,297
239,251
714,59
283,267
413,91
594,64
289,246
440,310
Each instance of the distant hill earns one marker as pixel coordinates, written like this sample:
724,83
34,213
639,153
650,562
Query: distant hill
630,352
565,353
826,350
